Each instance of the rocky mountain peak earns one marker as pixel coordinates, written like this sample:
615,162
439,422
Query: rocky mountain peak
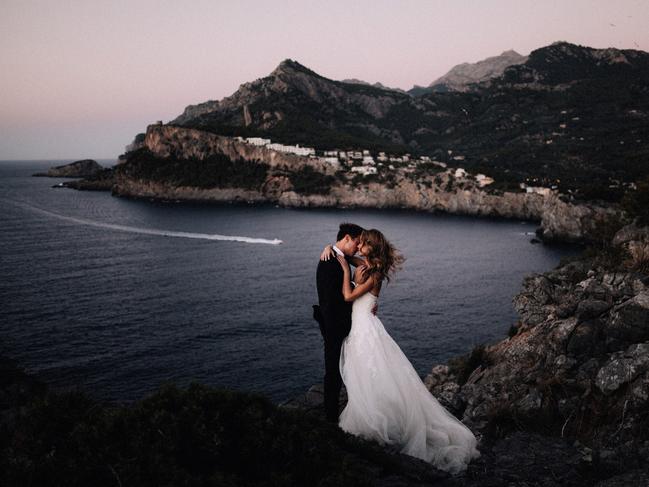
510,53
290,67
462,76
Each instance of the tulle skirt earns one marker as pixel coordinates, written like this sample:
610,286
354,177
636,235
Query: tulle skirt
388,402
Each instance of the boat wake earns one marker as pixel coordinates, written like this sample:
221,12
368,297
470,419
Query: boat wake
146,231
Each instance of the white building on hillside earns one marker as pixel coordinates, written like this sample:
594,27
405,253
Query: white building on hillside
483,180
292,149
257,141
364,170
536,189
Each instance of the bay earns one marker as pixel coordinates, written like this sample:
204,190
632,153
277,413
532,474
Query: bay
119,296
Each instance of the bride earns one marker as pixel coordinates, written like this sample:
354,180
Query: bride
387,401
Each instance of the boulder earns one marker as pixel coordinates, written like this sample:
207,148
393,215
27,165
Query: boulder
623,367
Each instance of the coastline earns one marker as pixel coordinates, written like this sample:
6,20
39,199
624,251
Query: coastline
154,168
559,222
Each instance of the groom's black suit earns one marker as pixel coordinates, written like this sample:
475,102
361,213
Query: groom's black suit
335,318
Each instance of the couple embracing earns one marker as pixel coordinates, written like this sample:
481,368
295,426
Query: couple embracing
387,401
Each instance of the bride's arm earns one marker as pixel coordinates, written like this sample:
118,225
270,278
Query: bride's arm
329,252
349,293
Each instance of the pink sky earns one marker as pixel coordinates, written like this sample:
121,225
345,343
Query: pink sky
81,78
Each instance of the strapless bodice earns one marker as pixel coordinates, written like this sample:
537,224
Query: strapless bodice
364,304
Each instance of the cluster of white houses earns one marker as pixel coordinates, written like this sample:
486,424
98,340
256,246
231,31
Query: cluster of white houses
362,161
292,149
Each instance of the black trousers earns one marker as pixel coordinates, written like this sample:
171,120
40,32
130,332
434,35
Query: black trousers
332,380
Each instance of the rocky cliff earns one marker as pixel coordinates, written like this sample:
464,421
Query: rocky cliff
576,365
425,192
165,141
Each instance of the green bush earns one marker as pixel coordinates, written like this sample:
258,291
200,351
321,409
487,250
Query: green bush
309,181
216,171
636,203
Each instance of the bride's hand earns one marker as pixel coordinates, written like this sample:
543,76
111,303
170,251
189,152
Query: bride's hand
360,275
327,253
343,263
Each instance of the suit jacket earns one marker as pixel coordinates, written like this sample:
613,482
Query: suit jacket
335,314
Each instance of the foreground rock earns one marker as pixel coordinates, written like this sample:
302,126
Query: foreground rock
575,367
78,169
518,458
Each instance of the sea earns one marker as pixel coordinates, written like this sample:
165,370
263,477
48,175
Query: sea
117,297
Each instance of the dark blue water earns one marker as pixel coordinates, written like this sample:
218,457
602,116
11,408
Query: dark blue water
119,312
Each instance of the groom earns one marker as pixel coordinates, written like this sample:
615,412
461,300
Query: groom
334,314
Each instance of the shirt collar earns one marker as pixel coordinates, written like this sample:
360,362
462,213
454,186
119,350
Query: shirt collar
338,251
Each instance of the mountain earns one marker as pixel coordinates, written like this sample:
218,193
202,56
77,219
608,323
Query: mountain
570,116
562,65
296,104
462,76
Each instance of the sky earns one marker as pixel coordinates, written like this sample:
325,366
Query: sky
80,78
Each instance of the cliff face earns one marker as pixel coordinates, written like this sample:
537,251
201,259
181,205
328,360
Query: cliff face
577,363
182,143
559,220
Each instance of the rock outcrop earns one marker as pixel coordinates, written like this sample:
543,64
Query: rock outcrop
575,366
102,180
435,192
78,169
166,141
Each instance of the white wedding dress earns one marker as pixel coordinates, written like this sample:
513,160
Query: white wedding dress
388,402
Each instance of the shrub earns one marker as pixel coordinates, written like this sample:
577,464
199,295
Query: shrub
601,252
309,181
197,436
216,171
638,259
636,203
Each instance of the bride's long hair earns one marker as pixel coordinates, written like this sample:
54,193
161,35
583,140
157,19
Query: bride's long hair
383,259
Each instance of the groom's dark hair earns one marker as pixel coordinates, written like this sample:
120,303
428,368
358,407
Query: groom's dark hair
350,229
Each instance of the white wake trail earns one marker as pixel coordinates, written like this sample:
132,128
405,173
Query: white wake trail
147,231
